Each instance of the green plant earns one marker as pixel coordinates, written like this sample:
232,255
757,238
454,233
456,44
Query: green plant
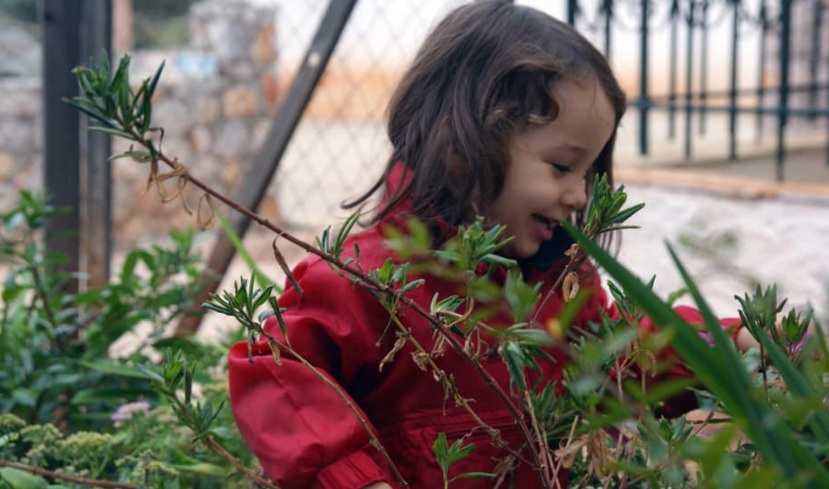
70,412
607,430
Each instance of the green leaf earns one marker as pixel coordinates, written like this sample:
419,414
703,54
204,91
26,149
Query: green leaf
112,131
18,479
202,468
521,297
718,368
136,372
261,278
474,475
109,394
516,360
459,451
441,448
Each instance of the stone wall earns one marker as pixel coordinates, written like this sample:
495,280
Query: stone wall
20,114
214,101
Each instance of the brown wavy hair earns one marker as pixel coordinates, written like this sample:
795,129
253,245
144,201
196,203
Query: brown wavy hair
488,69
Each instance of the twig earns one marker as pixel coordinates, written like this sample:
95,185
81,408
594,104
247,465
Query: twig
71,478
546,464
43,296
375,441
560,460
364,280
574,262
212,444
443,379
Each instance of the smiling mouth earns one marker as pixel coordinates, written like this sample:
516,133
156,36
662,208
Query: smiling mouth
550,224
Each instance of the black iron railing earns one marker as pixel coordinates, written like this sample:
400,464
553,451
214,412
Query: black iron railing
770,97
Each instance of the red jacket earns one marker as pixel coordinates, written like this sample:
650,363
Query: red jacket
302,431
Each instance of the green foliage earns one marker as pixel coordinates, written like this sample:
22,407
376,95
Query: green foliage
447,455
66,404
797,452
107,97
22,10
49,334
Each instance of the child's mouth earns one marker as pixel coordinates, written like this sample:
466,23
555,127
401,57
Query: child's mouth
545,226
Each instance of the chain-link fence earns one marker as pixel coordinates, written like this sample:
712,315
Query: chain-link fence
226,83
340,144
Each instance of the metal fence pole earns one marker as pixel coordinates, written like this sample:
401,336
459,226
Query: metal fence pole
644,101
572,11
96,229
607,8
672,69
732,93
814,57
61,130
689,84
761,68
264,165
783,100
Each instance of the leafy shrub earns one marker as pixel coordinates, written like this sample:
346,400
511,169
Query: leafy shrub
607,430
67,406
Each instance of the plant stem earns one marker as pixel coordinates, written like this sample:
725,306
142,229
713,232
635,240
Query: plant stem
546,464
217,448
43,295
71,478
375,441
442,378
358,274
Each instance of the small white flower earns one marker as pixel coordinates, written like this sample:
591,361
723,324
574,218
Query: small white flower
127,411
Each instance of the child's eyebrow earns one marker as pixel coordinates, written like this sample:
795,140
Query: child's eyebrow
573,148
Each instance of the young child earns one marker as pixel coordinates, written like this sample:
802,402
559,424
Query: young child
508,114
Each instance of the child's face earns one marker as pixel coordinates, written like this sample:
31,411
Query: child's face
545,180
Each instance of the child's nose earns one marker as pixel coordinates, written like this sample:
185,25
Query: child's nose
575,197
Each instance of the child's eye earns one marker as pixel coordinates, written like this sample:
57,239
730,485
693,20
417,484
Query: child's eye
562,168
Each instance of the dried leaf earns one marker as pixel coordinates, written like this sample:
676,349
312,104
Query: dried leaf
152,176
398,345
179,172
555,329
205,219
275,352
644,357
570,287
600,453
568,453
440,346
572,251
420,359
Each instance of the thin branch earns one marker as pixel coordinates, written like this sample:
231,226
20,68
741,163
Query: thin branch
447,385
546,464
71,478
217,448
375,441
363,279
43,295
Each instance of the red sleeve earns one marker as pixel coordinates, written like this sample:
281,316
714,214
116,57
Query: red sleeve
300,429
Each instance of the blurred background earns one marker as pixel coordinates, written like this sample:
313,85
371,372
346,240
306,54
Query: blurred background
726,139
